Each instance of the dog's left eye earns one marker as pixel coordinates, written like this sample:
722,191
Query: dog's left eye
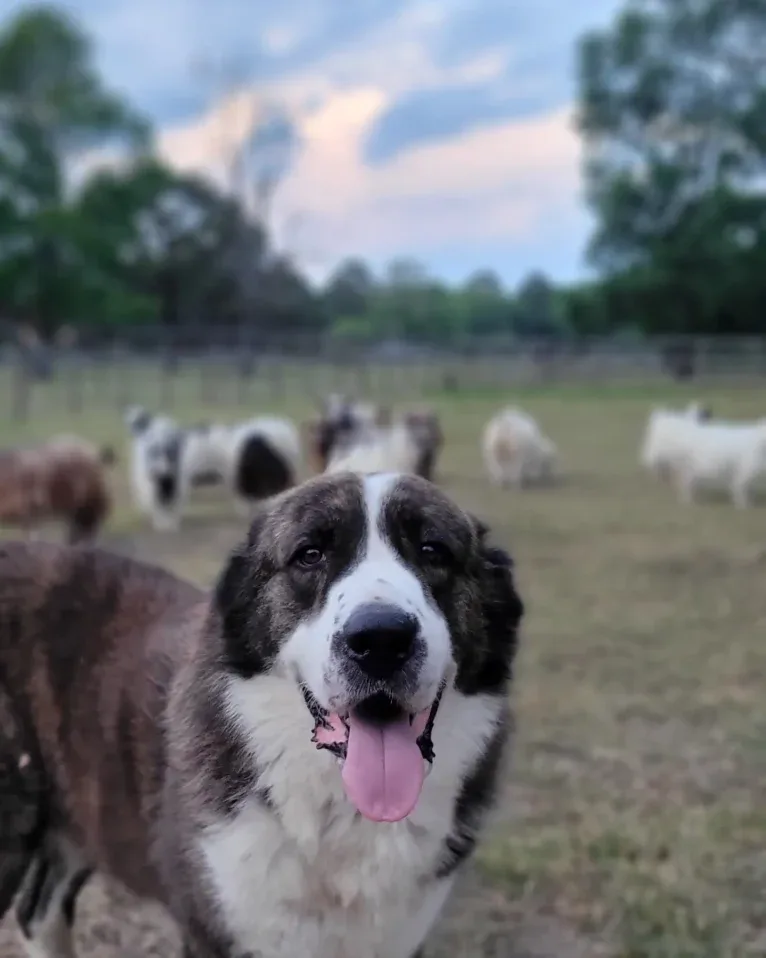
307,557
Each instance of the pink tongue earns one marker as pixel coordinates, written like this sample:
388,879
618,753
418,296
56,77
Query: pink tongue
383,773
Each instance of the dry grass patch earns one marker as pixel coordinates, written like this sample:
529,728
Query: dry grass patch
634,823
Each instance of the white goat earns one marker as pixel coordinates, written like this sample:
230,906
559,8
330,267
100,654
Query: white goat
515,450
724,455
661,437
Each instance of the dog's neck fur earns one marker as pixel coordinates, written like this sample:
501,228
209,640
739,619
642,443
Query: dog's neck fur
275,833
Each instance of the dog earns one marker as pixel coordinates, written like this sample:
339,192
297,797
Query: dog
297,763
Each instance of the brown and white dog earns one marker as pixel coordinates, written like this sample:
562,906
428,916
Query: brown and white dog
64,478
295,764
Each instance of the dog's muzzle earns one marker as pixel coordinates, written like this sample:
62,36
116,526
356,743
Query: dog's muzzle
384,749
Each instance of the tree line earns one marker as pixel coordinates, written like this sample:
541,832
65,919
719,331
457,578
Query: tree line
672,112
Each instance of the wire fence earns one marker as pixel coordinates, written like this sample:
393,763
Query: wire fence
168,370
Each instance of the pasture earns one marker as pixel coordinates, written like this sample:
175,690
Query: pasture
634,824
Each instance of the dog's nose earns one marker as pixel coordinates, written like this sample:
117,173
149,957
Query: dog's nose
380,638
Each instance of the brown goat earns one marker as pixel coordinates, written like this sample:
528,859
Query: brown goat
426,430
64,478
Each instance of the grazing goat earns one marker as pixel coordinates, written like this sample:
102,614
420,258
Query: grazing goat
381,449
426,431
259,458
723,455
371,440
155,470
61,479
253,460
339,426
515,451
661,437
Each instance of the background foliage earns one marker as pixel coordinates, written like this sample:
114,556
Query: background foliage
672,110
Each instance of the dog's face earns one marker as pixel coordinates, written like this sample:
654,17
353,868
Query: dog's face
373,594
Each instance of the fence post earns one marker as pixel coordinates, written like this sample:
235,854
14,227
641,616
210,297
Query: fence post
22,389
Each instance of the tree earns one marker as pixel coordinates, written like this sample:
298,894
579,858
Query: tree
486,310
166,240
177,243
673,114
412,305
53,106
348,291
537,307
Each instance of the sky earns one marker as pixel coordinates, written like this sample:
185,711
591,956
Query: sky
437,130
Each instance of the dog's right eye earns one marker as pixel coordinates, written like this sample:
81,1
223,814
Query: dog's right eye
307,557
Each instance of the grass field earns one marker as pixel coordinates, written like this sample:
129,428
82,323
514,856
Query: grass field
634,824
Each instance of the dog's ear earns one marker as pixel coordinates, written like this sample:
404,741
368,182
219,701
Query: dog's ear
235,599
502,610
489,553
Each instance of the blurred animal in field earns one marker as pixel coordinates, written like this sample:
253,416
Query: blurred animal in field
697,453
515,450
367,437
63,479
252,460
661,436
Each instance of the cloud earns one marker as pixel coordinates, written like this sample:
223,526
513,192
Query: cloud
434,128
163,53
444,113
496,182
506,182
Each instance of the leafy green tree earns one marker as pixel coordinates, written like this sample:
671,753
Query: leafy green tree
169,240
53,106
349,290
486,308
538,308
673,114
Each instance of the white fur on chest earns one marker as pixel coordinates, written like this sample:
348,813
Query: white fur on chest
318,879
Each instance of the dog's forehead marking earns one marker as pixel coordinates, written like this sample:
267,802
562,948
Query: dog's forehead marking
377,490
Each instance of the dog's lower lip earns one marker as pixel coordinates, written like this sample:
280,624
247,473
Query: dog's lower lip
321,718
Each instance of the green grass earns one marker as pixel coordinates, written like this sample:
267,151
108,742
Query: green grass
633,825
